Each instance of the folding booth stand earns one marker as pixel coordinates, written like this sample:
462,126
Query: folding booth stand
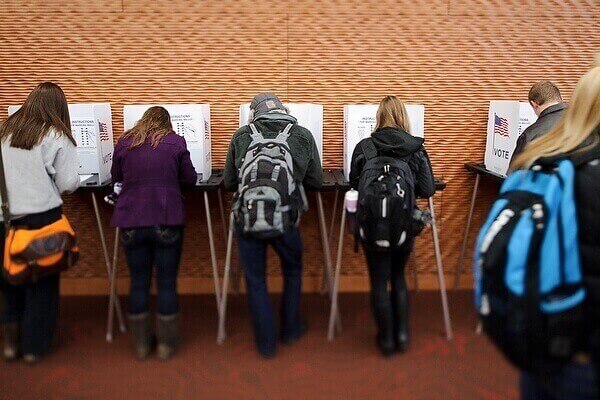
334,303
114,303
479,170
330,182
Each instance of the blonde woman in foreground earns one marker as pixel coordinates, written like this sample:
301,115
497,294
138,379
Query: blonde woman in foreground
576,135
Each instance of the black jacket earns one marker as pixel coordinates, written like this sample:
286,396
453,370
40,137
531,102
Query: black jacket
544,124
307,162
397,143
587,193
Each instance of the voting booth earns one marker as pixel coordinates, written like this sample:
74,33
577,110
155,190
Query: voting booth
506,121
360,121
91,125
308,115
192,121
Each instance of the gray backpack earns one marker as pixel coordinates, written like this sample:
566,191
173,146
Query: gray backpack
268,200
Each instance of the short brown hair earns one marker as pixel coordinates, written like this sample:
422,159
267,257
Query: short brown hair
544,92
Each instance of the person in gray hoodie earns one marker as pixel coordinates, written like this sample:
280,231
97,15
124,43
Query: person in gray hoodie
41,163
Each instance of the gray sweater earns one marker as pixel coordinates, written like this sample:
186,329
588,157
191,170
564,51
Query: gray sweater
36,178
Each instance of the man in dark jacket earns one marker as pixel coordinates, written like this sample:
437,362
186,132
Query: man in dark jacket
546,101
270,117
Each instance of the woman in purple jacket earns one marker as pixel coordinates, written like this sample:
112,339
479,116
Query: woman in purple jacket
152,162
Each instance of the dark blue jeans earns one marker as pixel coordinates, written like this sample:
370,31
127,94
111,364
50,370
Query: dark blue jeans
145,248
573,382
253,254
33,305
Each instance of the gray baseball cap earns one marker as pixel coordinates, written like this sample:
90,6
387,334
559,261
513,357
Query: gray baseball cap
264,103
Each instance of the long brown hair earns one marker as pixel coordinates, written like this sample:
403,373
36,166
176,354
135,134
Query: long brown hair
392,113
155,124
581,123
45,108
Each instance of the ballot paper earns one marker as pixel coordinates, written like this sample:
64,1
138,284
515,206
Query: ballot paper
506,121
91,125
308,115
192,122
360,121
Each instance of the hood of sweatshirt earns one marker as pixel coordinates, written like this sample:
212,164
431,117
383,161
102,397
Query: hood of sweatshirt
396,141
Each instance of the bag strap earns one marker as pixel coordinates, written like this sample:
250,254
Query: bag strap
4,193
581,159
285,133
369,149
255,135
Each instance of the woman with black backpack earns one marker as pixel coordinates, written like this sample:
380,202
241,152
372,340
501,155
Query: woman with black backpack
403,173
577,138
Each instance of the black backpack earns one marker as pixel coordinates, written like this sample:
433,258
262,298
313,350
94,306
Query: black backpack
386,200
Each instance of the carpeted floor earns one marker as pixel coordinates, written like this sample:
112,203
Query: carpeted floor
86,367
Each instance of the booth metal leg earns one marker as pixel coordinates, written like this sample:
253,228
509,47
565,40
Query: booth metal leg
222,211
213,256
330,237
117,304
440,270
466,234
336,280
327,255
336,195
221,334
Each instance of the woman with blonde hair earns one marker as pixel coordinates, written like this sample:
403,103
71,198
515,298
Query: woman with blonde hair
577,137
392,139
40,163
152,163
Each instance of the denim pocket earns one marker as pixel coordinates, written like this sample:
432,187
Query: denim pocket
127,236
168,235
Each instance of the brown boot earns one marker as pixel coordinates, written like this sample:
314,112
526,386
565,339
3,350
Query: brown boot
141,334
167,335
11,341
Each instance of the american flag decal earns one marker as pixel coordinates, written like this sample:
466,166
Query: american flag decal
500,126
103,132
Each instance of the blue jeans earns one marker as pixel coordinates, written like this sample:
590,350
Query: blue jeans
253,254
145,248
573,382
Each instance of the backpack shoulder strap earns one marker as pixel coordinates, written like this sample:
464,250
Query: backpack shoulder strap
285,133
581,159
255,133
4,192
369,149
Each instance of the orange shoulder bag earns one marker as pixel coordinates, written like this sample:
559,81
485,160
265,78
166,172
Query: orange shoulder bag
30,254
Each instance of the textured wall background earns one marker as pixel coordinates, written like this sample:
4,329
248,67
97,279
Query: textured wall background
453,56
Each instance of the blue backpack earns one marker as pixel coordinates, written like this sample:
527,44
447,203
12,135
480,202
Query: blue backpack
529,289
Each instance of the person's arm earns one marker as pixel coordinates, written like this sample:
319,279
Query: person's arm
521,144
424,180
230,175
116,171
187,172
356,166
314,173
65,166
